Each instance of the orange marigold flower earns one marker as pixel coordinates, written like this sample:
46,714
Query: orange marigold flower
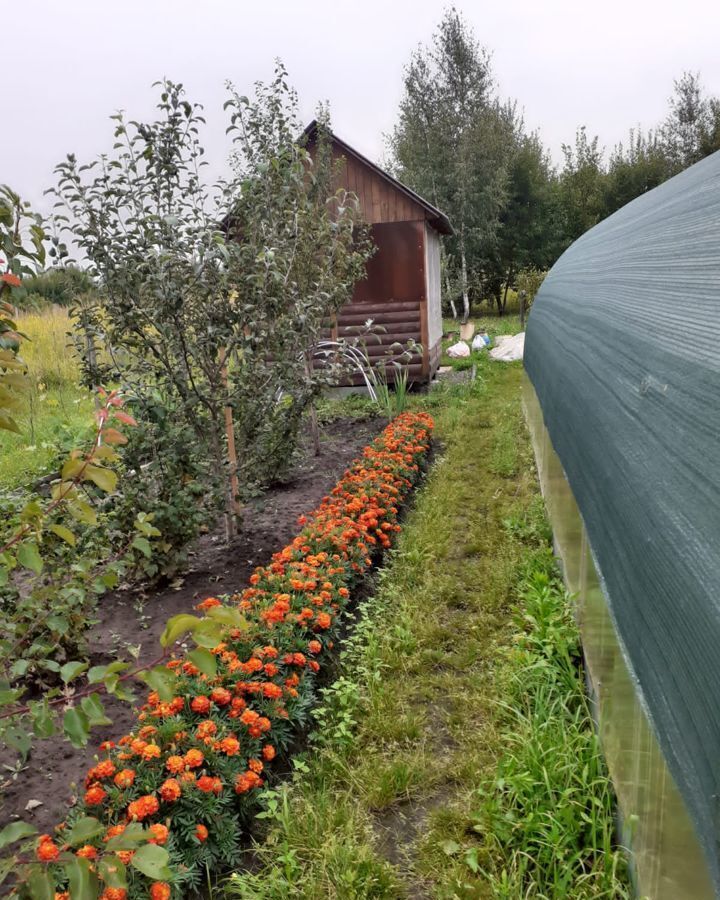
95,795
159,834
201,833
246,781
87,852
125,856
113,894
268,752
46,850
104,769
314,646
152,751
187,777
200,704
114,831
194,758
175,764
230,745
208,603
255,765
143,807
124,778
11,279
209,785
323,620
206,728
62,895
221,696
160,891
170,790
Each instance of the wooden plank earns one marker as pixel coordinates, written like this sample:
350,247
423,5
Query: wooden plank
372,308
388,317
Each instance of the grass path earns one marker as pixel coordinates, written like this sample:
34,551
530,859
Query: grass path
382,806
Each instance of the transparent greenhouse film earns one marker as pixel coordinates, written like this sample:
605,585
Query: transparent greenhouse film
667,858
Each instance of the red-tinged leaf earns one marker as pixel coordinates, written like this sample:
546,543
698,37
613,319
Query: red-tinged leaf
113,436
125,417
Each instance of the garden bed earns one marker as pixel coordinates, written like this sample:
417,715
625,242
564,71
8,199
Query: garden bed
137,617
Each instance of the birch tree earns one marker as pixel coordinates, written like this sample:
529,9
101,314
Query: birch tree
450,146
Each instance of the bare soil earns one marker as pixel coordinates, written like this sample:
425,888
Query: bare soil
137,616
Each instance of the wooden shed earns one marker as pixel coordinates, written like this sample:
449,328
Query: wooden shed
401,292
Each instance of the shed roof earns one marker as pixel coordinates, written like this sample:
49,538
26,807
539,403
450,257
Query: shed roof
435,217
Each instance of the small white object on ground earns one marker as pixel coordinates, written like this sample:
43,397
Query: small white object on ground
508,347
459,350
479,342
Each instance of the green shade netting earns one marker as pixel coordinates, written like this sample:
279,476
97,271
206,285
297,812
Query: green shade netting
623,349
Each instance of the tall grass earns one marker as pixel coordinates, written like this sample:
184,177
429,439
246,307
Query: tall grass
547,817
56,411
49,353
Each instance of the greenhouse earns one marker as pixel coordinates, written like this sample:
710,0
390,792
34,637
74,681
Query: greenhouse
622,359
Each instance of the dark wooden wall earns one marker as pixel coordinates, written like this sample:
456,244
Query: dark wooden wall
392,295
379,200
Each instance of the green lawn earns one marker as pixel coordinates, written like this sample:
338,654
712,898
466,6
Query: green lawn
391,797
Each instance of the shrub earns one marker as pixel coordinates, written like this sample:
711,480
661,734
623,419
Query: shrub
170,799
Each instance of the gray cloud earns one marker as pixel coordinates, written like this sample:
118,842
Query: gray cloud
68,66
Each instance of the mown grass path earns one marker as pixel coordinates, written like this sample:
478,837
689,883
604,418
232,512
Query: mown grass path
382,805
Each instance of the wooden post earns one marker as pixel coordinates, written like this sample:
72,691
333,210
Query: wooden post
233,507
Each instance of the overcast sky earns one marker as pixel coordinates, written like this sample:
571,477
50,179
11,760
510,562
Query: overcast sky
68,65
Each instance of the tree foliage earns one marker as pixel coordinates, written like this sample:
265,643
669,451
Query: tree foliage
213,293
458,144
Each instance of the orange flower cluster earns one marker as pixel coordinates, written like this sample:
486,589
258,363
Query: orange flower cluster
190,771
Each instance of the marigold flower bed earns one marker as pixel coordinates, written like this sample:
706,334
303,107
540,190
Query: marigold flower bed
188,777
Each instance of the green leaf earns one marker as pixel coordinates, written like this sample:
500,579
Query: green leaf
72,669
82,881
84,830
133,835
450,848
62,532
228,615
162,680
19,668
16,831
209,637
143,545
29,557
76,726
205,661
104,478
177,626
94,710
112,870
71,468
58,624
43,722
152,861
82,511
41,884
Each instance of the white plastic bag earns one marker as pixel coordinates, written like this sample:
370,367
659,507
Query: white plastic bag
508,348
480,342
459,350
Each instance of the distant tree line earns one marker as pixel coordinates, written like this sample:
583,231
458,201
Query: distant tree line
468,151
